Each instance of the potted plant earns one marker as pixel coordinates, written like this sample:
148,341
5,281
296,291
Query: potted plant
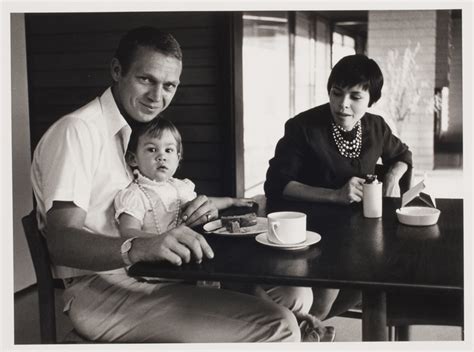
402,91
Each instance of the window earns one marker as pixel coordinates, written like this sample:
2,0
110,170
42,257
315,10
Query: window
266,87
304,64
278,82
342,45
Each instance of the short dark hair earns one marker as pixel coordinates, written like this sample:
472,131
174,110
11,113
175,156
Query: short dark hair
355,70
154,128
149,37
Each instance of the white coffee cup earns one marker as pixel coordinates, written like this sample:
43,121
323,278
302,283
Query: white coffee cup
372,199
286,227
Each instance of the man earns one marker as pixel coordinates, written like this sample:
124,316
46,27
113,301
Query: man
77,170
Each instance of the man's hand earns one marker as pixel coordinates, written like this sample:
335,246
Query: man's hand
71,245
199,211
177,246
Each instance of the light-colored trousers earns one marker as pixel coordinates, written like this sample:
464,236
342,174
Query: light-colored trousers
118,308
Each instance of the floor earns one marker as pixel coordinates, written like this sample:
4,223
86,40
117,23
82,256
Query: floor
347,330
443,183
447,179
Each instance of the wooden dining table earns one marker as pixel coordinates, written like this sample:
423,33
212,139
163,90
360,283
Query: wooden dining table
378,256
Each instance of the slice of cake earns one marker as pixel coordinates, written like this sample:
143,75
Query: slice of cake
233,223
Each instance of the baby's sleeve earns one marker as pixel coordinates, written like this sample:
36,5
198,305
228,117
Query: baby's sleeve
128,201
188,193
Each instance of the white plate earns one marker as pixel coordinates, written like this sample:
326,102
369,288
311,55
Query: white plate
215,227
311,238
418,216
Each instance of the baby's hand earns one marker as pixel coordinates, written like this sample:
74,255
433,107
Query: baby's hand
243,202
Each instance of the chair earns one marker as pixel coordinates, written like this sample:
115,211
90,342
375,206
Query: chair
45,283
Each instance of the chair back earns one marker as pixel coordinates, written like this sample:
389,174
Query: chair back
45,282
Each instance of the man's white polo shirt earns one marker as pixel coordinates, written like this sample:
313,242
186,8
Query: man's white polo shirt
81,159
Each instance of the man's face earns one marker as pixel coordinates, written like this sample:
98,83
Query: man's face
149,85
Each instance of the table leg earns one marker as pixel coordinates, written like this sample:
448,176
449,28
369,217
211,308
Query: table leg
374,315
402,333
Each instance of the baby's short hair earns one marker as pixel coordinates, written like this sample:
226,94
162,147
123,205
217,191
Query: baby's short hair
355,70
155,128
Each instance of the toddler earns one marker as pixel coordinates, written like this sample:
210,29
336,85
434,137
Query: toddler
153,201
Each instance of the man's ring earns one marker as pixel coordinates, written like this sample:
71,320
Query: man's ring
208,217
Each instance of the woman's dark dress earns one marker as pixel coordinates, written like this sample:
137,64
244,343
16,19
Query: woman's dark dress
308,154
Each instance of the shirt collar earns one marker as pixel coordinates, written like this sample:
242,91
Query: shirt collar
115,121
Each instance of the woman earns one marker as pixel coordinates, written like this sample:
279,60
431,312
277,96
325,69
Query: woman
327,151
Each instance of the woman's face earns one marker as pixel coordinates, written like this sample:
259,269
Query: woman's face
156,157
348,105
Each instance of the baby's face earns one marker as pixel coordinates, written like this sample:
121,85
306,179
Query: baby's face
157,157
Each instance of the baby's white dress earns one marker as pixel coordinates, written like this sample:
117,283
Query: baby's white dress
163,199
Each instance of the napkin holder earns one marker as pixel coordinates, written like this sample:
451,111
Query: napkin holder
418,208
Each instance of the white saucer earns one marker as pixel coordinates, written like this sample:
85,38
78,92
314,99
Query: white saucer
311,238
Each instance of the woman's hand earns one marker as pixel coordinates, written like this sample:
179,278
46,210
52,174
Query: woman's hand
226,202
392,178
243,202
390,185
177,246
199,211
351,192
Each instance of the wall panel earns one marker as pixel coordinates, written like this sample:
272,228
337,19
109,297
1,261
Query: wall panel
23,272
454,134
68,60
399,30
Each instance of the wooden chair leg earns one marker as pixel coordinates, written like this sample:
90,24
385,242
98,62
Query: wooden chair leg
47,313
402,333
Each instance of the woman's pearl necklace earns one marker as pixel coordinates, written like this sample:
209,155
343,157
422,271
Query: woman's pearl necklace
153,210
349,149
